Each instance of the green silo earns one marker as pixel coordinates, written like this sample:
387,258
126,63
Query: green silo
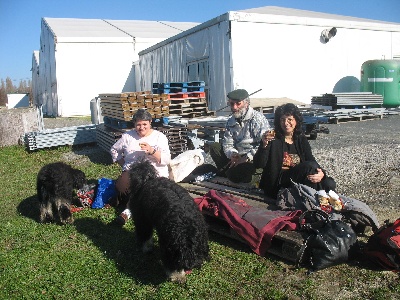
382,77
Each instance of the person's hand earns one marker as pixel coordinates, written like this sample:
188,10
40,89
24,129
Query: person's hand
236,159
267,137
315,178
146,147
121,162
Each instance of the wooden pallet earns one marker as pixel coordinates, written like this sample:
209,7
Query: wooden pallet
348,115
189,110
187,100
123,106
106,136
177,139
285,244
178,84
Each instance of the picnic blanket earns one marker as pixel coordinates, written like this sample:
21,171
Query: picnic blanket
257,226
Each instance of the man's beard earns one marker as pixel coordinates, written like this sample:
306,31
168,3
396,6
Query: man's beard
241,113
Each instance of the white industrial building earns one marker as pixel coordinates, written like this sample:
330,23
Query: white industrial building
287,53
81,58
35,78
17,100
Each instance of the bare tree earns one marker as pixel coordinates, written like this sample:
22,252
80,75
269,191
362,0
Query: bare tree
10,88
3,93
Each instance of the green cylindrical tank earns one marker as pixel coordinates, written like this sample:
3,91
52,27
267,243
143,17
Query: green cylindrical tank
382,77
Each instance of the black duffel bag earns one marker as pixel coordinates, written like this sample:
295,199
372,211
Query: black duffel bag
328,242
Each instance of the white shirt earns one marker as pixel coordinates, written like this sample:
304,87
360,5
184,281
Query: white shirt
127,147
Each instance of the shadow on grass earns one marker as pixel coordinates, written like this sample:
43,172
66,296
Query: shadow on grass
228,242
29,208
118,244
94,153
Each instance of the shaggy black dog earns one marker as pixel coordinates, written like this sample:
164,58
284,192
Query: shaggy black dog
55,185
161,204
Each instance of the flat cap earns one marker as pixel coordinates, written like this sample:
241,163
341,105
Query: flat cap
238,95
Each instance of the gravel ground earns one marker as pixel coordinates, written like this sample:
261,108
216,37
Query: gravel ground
363,157
51,123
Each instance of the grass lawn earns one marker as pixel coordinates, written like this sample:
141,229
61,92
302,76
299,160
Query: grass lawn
90,259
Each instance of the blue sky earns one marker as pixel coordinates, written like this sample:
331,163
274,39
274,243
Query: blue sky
20,19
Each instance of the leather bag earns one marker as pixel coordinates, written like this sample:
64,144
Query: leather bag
327,241
383,247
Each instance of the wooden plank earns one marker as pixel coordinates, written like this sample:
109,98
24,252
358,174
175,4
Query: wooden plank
117,116
115,106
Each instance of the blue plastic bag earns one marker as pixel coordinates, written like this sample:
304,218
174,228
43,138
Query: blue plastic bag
105,191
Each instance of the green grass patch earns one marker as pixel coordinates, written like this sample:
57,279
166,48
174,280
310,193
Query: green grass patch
91,259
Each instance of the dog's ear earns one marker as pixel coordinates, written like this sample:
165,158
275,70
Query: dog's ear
140,173
150,170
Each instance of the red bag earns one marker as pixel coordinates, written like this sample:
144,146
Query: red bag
383,247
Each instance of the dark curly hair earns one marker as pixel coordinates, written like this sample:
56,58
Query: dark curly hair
288,109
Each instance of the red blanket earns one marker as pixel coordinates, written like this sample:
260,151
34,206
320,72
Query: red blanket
256,225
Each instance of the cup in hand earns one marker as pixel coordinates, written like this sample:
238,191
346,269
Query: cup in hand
141,145
270,134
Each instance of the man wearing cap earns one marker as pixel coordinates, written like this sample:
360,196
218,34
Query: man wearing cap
243,132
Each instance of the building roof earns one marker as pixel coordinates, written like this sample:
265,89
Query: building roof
98,30
283,15
283,11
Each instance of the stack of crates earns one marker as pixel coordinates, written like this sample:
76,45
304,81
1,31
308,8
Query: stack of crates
187,99
123,106
178,87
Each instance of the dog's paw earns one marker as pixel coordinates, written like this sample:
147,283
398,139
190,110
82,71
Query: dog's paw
177,276
65,215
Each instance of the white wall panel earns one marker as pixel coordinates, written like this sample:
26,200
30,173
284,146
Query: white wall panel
290,61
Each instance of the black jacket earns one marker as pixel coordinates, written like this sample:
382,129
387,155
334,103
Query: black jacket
271,159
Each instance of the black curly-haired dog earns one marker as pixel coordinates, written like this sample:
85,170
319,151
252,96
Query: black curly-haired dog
161,204
55,185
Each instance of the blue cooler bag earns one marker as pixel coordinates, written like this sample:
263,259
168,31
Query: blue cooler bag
105,191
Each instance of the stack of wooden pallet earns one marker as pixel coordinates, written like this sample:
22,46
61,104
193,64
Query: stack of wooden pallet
349,100
187,99
189,105
178,87
107,136
177,139
122,106
117,111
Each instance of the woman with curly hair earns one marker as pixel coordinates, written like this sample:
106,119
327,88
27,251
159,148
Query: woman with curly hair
285,155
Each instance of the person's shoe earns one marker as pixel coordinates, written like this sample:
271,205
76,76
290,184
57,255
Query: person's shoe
121,219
